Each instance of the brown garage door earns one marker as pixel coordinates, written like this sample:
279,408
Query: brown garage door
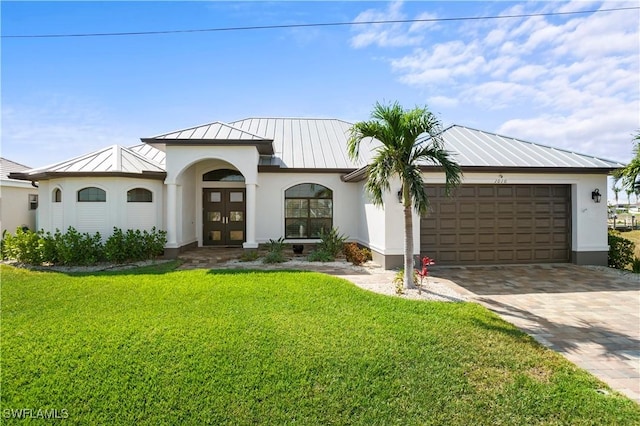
495,224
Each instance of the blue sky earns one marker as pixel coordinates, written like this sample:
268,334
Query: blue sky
569,81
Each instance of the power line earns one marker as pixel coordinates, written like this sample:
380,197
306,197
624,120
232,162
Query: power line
325,24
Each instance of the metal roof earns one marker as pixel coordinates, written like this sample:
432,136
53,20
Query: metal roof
320,144
476,148
308,143
8,166
211,131
150,153
214,134
114,159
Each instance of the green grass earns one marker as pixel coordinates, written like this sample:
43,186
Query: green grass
213,347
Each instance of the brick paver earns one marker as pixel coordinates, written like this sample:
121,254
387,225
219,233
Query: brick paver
590,315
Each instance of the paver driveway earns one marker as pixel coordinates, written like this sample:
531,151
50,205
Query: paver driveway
590,315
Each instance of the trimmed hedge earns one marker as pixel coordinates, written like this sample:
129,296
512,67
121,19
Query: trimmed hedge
621,250
75,248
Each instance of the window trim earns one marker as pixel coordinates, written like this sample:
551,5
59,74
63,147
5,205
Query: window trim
56,197
308,219
91,201
138,192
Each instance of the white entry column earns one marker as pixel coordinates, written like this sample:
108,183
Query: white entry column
172,215
250,241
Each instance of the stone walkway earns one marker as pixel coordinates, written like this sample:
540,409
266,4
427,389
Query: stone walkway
590,315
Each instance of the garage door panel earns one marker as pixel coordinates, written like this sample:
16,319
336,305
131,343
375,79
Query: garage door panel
505,191
499,224
468,223
542,238
486,191
523,256
467,256
449,239
447,209
484,207
486,255
505,255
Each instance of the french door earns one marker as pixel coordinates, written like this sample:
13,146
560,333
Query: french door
223,216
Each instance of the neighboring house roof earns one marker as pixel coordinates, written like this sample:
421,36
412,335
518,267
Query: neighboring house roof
477,148
216,133
114,160
8,166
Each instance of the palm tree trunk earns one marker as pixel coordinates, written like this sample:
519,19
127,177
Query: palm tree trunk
408,239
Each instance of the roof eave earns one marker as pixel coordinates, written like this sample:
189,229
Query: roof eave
264,147
146,174
356,175
532,169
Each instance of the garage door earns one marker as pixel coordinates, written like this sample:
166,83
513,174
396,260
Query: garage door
496,224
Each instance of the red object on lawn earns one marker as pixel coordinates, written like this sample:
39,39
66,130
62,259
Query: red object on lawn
426,261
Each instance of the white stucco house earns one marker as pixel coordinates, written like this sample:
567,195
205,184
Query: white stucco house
18,199
244,182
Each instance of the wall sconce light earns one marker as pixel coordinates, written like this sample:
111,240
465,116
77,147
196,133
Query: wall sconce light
596,196
400,196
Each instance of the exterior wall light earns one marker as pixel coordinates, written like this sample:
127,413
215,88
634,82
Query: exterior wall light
400,196
596,196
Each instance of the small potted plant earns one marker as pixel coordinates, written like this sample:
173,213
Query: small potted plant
298,248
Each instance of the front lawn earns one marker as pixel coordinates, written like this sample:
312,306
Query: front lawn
228,347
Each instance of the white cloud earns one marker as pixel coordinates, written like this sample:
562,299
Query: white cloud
571,81
390,35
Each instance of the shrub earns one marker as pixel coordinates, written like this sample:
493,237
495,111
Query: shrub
330,246
134,245
249,256
75,248
355,254
398,280
635,266
274,253
23,246
621,250
154,242
320,256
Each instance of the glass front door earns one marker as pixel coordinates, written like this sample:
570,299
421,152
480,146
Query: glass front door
223,216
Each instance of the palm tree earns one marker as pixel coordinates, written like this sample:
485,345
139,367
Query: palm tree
401,156
616,190
630,174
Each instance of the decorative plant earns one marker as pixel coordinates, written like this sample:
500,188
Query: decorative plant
355,254
249,256
398,280
330,245
635,266
424,272
274,251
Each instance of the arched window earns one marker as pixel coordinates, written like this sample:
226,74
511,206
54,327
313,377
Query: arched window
308,210
91,194
139,195
223,175
57,195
